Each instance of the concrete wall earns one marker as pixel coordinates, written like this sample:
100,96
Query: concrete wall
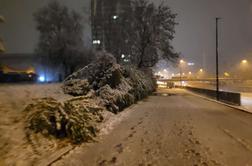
227,97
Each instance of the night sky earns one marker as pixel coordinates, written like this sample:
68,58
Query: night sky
195,34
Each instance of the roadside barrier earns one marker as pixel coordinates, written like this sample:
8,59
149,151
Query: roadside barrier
226,97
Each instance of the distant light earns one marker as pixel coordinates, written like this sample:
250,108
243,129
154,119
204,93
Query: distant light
115,17
42,79
123,56
190,73
183,74
181,61
30,76
96,42
190,64
126,60
201,70
165,70
226,74
244,61
184,83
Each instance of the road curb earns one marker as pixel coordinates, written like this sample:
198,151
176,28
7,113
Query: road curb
240,108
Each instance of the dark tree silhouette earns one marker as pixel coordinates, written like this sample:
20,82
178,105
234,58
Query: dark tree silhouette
60,40
141,34
152,30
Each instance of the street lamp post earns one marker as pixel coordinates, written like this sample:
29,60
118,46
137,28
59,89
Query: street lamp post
180,68
217,59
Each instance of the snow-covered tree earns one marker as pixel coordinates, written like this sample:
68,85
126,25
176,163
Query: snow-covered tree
141,34
151,32
60,40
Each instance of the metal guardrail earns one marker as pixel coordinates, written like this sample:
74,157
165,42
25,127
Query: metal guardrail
202,79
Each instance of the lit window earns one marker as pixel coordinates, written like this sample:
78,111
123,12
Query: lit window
115,17
96,42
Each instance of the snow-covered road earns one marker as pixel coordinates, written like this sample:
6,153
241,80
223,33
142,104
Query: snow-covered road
175,129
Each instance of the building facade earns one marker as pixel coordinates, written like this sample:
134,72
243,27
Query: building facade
107,19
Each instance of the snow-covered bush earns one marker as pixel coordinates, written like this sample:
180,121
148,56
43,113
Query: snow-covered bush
103,71
103,83
75,119
116,85
76,87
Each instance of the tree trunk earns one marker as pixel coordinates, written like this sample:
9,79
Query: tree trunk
66,69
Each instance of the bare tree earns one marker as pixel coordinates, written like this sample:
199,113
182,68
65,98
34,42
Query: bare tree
60,40
141,33
151,32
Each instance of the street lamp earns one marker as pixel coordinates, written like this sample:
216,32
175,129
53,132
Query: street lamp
244,61
244,66
217,57
226,74
181,62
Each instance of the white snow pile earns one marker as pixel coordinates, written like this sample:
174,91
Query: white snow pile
117,86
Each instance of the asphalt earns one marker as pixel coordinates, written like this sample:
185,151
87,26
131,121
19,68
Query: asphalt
172,128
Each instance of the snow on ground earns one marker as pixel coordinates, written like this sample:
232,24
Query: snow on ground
13,99
15,148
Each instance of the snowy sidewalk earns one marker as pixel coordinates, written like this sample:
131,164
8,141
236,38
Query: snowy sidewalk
246,101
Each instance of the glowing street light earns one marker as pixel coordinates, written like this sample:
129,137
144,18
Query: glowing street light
115,17
244,61
190,73
180,68
181,61
226,74
201,70
190,64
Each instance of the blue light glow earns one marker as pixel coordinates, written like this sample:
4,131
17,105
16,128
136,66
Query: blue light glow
42,79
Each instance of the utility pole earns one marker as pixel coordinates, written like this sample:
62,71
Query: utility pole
180,74
217,59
